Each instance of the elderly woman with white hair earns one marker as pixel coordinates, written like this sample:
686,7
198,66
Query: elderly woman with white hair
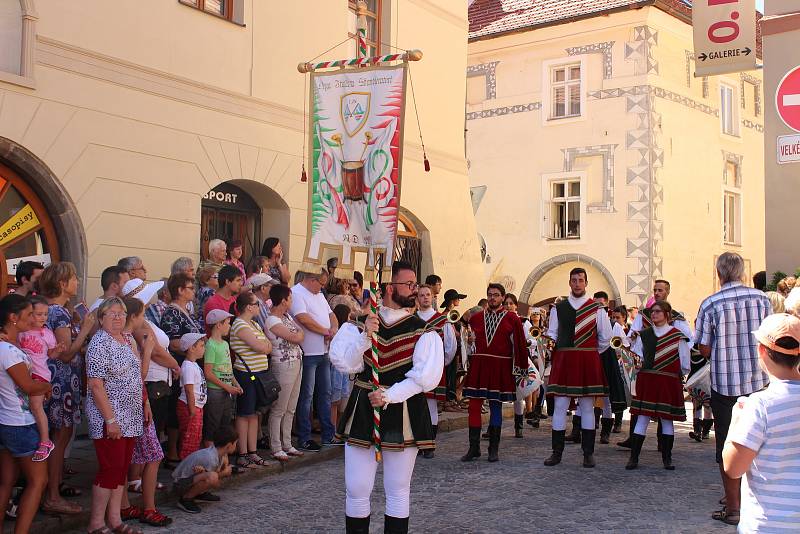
792,303
217,254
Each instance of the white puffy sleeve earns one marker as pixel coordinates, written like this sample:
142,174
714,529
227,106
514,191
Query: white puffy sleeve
637,346
637,325
686,330
450,343
428,364
604,331
552,324
685,355
347,349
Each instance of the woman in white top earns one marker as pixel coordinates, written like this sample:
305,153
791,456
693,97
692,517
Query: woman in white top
286,363
19,438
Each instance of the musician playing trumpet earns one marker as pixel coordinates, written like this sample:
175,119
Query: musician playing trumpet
659,387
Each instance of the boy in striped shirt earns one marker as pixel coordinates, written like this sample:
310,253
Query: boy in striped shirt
764,439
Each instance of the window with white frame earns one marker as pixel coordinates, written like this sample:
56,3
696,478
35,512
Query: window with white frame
565,209
565,91
728,110
732,217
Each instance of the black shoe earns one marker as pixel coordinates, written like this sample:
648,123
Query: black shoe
617,423
558,448
696,433
530,415
208,497
333,443
395,525
428,454
310,446
575,435
494,443
587,445
474,444
356,525
707,425
537,413
605,430
666,451
189,506
533,422
485,436
518,426
637,441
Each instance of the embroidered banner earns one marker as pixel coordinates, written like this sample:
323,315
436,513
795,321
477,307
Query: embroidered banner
355,154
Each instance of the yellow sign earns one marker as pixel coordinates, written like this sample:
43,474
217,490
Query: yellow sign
20,224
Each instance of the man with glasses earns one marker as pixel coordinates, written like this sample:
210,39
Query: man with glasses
410,362
581,329
500,357
311,309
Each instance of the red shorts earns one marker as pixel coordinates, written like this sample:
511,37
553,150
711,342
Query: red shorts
113,461
191,429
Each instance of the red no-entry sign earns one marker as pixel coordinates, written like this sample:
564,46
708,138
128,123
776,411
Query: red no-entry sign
787,99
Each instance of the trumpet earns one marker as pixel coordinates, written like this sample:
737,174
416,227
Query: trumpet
616,343
453,316
624,352
535,332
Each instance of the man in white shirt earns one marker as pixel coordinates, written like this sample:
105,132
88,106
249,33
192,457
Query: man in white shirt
112,281
582,331
311,310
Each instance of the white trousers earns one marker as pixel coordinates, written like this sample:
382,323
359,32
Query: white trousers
519,407
702,412
561,405
667,428
434,411
359,478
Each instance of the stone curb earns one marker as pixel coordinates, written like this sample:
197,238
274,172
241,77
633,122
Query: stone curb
448,422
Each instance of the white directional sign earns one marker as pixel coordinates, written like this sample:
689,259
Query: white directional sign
724,36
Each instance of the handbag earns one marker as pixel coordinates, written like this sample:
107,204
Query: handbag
267,386
158,390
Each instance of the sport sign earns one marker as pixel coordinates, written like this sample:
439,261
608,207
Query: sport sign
787,99
724,36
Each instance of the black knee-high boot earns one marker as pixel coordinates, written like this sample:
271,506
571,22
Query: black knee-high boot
587,444
605,429
558,448
356,525
696,433
617,423
667,441
628,442
659,433
395,525
575,435
598,413
636,448
518,426
494,443
707,425
474,444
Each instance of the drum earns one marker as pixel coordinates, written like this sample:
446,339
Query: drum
529,383
698,385
353,180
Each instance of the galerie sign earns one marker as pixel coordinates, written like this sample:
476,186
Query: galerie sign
724,36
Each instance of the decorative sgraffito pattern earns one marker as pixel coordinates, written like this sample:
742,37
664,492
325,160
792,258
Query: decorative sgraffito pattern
756,83
597,48
487,70
607,153
689,75
640,50
505,110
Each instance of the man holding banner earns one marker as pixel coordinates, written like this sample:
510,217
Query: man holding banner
410,361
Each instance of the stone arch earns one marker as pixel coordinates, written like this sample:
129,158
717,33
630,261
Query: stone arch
71,237
543,268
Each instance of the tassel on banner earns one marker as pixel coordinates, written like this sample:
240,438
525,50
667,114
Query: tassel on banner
303,176
425,162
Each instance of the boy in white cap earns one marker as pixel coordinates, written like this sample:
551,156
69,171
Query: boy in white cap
763,442
193,394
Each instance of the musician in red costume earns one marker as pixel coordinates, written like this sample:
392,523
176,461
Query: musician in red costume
582,331
500,357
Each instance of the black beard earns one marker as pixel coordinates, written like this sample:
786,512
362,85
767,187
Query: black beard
495,308
404,302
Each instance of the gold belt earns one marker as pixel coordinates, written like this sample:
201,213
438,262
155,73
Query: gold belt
368,385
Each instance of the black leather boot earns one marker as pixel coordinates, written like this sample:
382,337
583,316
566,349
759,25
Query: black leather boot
598,414
636,448
587,444
395,525
518,426
659,433
558,448
356,525
617,423
629,442
667,442
697,427
474,444
605,429
428,453
494,443
575,435
708,424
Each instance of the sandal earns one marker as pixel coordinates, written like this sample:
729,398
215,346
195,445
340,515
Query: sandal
730,517
122,528
281,456
61,508
155,518
69,491
43,452
244,462
294,452
102,530
723,501
131,512
257,460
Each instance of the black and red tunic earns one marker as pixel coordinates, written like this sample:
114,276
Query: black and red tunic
403,424
576,369
437,323
659,389
501,354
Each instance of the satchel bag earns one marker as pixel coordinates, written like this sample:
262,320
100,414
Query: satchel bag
267,386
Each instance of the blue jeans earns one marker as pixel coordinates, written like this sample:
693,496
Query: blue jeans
316,381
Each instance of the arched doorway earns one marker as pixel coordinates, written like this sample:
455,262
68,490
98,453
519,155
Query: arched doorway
29,190
243,210
549,279
408,246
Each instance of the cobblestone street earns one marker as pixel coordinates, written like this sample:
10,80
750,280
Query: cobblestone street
517,494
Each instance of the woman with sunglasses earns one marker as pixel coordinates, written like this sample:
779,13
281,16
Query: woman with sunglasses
659,387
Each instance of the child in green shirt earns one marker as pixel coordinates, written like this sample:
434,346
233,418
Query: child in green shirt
218,370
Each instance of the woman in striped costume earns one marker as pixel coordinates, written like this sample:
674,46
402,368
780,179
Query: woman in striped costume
659,389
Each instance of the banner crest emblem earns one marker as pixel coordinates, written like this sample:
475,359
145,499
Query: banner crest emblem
354,110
